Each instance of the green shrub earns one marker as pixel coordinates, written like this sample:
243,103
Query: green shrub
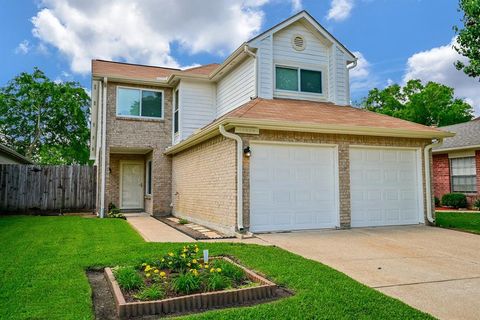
186,283
476,204
437,202
154,292
454,200
128,278
214,281
183,221
229,270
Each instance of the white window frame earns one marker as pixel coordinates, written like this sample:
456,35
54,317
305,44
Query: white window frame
140,116
474,175
148,179
176,108
299,80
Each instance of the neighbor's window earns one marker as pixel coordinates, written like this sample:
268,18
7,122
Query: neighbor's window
463,173
139,103
175,114
296,79
148,179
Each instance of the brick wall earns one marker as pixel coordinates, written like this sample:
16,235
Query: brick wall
204,184
150,135
441,175
343,142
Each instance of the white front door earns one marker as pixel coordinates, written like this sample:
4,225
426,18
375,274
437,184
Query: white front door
385,187
131,185
293,187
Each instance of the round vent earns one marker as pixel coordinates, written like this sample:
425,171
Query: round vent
298,42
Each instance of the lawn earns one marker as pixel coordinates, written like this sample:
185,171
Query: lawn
43,262
468,221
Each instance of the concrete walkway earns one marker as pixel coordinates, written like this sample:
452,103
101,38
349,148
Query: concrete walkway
153,230
432,269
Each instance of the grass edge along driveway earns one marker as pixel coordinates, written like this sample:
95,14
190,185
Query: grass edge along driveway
43,262
463,221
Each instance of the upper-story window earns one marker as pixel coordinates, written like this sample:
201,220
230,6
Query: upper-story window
133,102
464,175
298,79
176,113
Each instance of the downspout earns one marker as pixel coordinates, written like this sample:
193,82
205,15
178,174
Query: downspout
428,183
104,153
237,138
353,64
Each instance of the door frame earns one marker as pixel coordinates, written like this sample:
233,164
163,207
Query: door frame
419,167
142,163
336,173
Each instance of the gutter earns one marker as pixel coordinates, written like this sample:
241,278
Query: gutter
428,183
239,141
104,143
471,147
353,64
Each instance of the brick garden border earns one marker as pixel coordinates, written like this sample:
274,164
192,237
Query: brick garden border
194,302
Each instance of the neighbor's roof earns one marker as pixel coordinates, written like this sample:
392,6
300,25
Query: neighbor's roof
202,70
310,116
467,136
14,154
129,70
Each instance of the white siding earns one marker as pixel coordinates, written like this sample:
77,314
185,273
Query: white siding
341,78
197,106
236,88
265,68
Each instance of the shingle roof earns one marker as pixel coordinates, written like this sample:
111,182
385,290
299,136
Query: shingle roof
202,70
12,153
467,134
310,112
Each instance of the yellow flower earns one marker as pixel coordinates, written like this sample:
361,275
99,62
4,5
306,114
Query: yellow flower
196,249
162,274
206,266
148,275
194,261
170,262
156,271
163,260
170,254
183,255
148,268
189,264
200,266
144,264
212,270
219,270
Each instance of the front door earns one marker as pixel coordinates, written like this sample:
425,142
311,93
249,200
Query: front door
131,185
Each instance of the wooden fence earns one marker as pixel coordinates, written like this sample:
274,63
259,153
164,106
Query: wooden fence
36,189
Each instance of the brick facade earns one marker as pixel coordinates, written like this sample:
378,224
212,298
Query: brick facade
204,184
343,142
441,175
137,138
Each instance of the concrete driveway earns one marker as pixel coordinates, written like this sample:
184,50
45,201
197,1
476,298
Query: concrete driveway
432,269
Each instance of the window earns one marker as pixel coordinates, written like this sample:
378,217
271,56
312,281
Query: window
139,103
175,113
463,173
296,79
148,179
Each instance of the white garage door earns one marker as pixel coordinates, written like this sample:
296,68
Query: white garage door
385,188
292,187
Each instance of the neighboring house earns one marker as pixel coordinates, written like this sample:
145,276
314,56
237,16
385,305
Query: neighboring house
264,141
456,163
10,156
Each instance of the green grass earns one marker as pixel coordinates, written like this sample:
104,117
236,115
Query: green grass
43,262
468,221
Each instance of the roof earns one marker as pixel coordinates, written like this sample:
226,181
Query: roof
15,155
310,116
202,70
129,70
467,136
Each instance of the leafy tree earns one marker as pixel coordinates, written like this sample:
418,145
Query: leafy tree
468,40
430,104
45,120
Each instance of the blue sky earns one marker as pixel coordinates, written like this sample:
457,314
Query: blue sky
395,39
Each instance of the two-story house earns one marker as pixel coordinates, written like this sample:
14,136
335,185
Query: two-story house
264,141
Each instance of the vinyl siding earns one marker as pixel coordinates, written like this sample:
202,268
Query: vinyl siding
197,106
341,78
265,68
236,88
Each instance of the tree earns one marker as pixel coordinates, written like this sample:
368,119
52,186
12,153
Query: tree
468,39
44,120
430,104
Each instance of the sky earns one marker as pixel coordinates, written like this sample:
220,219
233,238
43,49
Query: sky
395,40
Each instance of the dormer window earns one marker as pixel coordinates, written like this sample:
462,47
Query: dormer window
297,79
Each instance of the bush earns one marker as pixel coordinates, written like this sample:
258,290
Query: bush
128,278
186,283
216,281
454,200
437,202
229,270
476,204
154,292
183,221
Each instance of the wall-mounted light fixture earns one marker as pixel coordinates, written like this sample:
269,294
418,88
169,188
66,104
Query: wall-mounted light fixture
247,152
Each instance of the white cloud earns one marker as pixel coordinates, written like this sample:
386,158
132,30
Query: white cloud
340,10
23,47
297,5
436,65
143,31
361,77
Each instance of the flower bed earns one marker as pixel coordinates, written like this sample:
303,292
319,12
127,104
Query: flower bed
182,282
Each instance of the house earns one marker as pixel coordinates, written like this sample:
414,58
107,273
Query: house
456,163
264,141
10,156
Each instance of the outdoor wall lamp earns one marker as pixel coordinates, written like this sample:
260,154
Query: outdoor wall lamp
247,152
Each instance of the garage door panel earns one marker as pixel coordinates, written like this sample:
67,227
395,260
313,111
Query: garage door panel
302,183
384,187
